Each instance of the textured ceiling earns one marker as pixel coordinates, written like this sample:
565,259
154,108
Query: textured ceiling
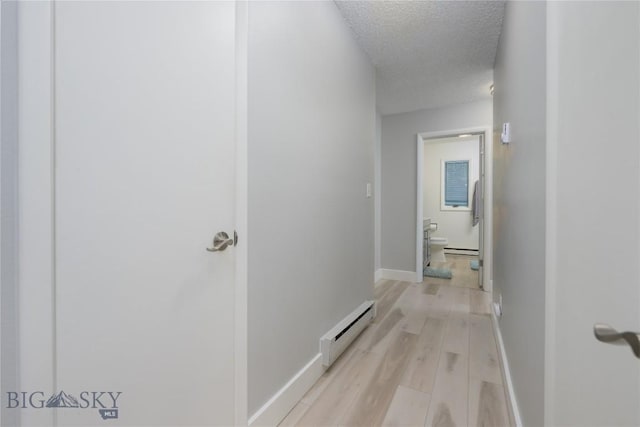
427,53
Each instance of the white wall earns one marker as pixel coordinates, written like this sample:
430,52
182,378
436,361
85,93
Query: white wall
456,226
593,198
399,173
9,354
519,200
36,285
311,153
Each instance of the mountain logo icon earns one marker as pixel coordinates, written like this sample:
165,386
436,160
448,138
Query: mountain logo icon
62,400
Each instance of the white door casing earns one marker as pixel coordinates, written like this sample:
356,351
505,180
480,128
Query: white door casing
142,155
481,189
487,199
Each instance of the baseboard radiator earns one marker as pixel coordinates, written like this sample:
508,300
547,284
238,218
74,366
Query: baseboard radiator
334,342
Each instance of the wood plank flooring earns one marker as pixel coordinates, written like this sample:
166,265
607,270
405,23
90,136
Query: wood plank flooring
464,276
429,359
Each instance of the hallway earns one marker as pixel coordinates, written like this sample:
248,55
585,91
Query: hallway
430,358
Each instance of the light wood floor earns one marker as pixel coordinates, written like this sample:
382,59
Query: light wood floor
463,275
430,358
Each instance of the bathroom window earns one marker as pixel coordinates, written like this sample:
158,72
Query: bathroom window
455,185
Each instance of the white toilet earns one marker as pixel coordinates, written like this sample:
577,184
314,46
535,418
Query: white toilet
436,244
437,248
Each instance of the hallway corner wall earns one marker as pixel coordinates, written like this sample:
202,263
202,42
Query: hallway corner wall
312,120
519,200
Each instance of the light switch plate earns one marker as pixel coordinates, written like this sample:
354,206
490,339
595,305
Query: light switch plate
369,193
505,136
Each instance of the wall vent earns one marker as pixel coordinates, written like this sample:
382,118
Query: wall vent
334,342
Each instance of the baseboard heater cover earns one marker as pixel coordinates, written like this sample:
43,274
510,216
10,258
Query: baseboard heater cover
334,342
449,248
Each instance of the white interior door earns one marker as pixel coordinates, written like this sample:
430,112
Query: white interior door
144,109
593,197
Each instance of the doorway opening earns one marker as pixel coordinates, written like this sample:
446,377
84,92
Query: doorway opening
454,204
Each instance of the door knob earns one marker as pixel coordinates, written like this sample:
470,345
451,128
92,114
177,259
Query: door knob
607,334
221,241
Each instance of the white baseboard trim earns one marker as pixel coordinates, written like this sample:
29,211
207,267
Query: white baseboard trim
506,372
405,276
274,411
377,276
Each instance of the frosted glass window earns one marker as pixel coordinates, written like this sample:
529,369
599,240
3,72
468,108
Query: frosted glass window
456,183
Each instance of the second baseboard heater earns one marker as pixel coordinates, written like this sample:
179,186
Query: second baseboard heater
334,342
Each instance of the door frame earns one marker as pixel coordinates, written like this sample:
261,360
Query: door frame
241,399
487,192
9,193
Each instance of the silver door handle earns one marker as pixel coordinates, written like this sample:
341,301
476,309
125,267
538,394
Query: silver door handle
221,241
607,334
